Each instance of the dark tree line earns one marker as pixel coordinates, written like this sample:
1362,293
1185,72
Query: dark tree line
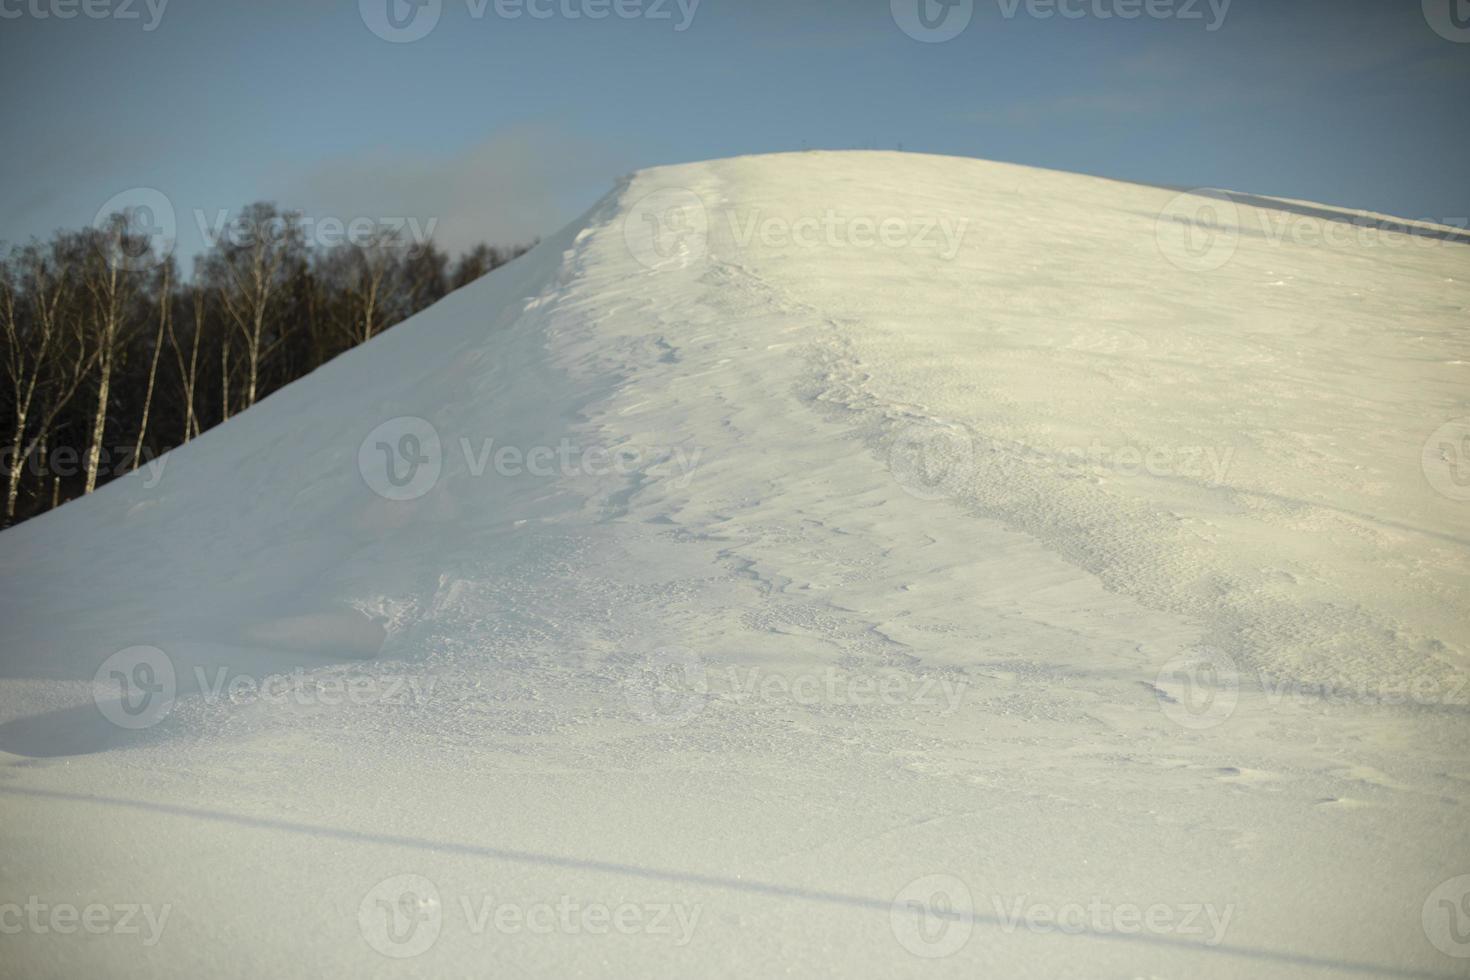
111,359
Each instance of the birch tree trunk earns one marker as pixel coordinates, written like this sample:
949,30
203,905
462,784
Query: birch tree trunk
164,301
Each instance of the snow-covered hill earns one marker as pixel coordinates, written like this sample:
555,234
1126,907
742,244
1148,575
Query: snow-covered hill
815,564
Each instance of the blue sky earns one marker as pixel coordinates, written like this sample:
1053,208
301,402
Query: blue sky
501,128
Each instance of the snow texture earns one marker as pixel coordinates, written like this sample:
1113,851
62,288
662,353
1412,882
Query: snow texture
850,563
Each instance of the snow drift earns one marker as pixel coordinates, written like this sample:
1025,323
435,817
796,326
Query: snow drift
855,563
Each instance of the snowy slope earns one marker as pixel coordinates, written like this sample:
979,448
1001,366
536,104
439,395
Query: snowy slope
823,564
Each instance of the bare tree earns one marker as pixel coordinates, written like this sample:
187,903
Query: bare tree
189,370
248,269
91,311
107,260
45,360
165,309
367,277
425,276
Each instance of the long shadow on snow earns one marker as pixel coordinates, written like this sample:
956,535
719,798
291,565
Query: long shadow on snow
707,880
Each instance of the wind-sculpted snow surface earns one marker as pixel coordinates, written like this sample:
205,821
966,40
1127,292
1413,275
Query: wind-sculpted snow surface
821,564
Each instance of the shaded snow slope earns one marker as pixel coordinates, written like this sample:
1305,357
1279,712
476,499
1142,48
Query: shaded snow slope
829,556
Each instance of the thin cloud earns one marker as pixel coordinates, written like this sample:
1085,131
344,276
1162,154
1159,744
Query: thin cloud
515,185
1047,109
